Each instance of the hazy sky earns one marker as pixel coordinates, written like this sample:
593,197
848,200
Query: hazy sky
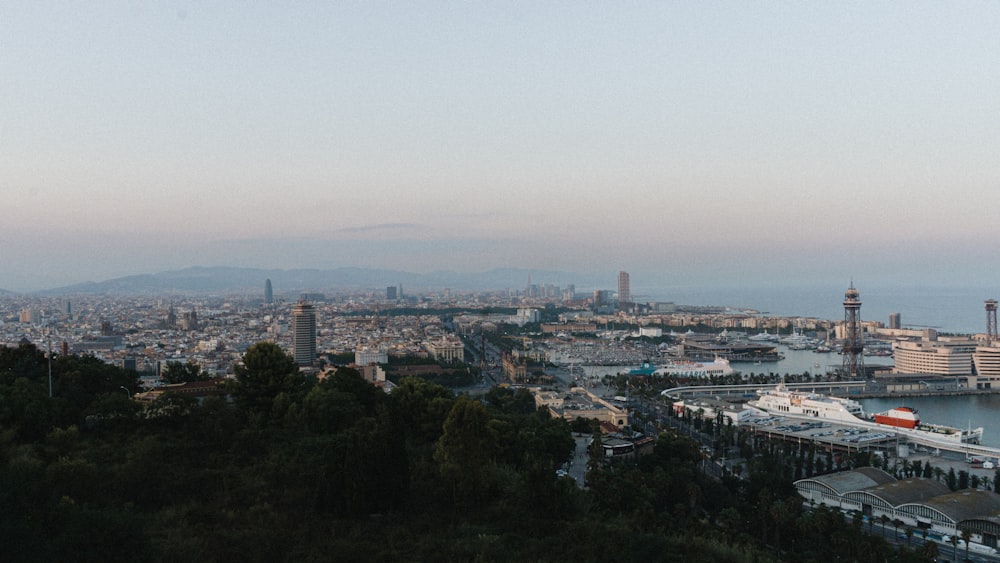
766,142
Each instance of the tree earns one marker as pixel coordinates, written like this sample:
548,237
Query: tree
464,449
176,372
265,372
422,408
966,537
930,549
508,401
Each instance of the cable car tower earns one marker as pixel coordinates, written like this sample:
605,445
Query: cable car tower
991,321
854,359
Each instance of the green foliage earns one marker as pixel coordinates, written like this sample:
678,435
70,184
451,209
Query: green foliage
465,449
176,372
342,471
266,372
505,400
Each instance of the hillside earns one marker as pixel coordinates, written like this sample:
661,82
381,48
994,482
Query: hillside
221,279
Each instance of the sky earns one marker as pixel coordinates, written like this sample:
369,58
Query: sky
685,142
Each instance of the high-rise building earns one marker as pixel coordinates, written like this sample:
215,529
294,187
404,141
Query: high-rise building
991,320
390,293
304,333
895,321
268,292
624,292
603,299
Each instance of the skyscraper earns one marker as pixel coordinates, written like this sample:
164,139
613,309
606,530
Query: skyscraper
268,292
624,292
304,333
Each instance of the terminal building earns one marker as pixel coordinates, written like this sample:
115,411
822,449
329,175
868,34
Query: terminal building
942,356
986,361
923,504
972,361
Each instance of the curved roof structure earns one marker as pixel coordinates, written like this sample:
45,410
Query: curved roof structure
966,504
915,489
921,501
846,481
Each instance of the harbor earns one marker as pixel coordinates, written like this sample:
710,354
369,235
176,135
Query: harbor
800,412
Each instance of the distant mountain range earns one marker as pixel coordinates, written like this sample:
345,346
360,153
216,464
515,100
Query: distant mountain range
199,279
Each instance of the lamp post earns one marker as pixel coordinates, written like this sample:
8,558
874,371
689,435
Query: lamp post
127,392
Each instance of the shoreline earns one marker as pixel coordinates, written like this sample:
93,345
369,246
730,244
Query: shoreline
926,393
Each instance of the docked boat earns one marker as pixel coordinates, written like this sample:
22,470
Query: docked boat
908,418
900,417
683,368
781,401
763,337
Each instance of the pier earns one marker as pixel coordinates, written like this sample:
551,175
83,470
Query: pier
847,389
914,437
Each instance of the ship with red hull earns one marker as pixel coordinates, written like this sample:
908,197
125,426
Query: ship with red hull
783,402
906,418
900,417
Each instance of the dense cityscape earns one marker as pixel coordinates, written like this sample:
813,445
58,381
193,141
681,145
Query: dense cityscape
628,383
482,281
144,333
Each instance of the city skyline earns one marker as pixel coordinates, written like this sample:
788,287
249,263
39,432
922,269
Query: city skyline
685,143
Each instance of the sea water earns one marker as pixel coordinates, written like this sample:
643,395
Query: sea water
963,411
957,310
946,309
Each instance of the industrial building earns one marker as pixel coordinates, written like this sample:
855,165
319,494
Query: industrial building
924,504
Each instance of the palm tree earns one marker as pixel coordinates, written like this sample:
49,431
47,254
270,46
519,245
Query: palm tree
954,546
856,519
883,520
930,550
896,523
966,537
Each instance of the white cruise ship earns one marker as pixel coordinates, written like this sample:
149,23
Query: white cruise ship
782,401
680,368
684,368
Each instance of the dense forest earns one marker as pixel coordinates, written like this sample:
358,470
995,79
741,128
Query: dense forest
287,468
